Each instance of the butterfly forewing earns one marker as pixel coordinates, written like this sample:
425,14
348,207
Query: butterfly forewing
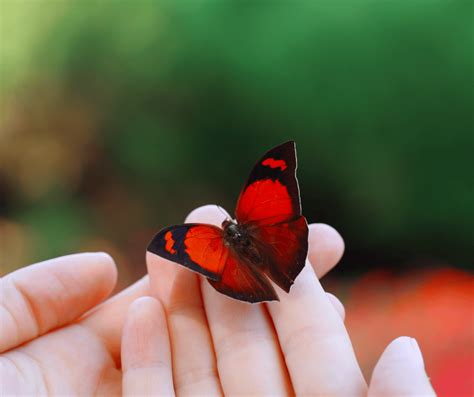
271,194
199,247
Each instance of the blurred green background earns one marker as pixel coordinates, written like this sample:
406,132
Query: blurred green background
119,117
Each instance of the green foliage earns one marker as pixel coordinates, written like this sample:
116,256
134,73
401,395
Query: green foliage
377,95
59,227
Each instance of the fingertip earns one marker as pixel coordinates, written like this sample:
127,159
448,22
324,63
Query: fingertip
326,247
88,262
93,269
211,214
145,305
109,267
401,371
337,304
144,313
401,348
104,256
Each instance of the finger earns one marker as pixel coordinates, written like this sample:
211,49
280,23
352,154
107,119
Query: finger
50,294
82,358
146,355
194,364
106,321
69,361
314,341
326,247
249,360
400,371
337,305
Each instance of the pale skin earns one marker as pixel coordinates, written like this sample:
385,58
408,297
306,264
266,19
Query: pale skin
172,333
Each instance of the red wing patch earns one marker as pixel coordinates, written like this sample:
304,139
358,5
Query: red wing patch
199,247
265,200
272,163
205,247
242,281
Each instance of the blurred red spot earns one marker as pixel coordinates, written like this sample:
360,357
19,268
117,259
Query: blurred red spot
434,307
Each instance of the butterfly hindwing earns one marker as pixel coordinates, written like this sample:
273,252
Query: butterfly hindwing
199,247
241,281
285,247
271,193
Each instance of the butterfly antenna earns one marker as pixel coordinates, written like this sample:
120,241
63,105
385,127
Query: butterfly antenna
224,212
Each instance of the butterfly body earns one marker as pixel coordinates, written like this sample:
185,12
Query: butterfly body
267,240
239,239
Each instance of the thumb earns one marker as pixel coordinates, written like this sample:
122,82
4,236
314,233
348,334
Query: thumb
400,371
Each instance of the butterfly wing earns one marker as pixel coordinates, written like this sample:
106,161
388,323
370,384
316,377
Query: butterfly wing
284,247
240,280
199,247
271,194
270,208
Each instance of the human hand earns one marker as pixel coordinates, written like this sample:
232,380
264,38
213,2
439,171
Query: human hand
83,357
47,345
220,346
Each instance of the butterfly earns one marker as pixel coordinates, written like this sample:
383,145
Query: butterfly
267,240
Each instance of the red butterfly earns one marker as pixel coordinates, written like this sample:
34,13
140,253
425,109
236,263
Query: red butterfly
268,238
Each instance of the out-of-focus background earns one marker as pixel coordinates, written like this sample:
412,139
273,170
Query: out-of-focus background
118,118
